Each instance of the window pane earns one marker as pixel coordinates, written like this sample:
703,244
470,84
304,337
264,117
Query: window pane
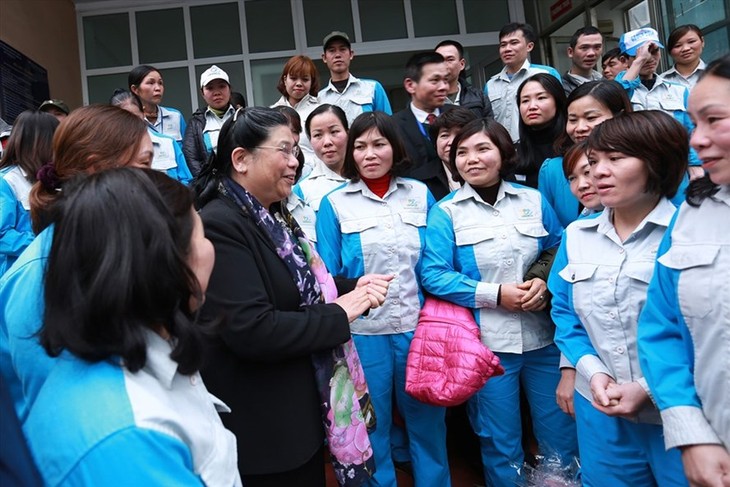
101,88
434,17
382,19
265,74
216,30
717,43
701,13
323,16
235,75
107,41
484,16
161,36
177,90
269,25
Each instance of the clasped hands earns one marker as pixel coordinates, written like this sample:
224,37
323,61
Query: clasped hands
614,399
530,295
369,293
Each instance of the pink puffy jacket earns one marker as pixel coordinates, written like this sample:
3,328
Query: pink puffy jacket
447,362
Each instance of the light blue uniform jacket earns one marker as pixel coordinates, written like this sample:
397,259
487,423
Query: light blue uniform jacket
15,225
23,362
599,286
360,233
473,247
684,330
100,424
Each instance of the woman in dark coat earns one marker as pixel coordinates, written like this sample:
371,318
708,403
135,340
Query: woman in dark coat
283,361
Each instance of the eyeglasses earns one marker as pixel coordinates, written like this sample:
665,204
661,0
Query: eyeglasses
284,149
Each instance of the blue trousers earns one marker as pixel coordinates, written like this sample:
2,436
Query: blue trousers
617,452
384,361
494,413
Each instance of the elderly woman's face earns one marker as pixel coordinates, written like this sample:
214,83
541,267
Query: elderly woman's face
270,172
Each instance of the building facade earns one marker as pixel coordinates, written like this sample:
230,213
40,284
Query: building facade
251,39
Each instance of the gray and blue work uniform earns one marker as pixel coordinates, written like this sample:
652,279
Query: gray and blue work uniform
599,285
684,330
359,233
472,248
359,96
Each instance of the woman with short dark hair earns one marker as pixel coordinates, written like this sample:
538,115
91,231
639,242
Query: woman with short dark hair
91,139
599,282
683,331
283,359
376,223
481,240
128,267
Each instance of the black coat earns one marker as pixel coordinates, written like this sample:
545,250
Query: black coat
193,145
260,362
426,165
475,100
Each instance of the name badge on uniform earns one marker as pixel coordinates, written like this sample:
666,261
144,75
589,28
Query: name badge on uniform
669,97
164,157
411,203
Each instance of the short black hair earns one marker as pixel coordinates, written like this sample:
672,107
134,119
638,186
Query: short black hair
499,137
415,64
457,117
237,99
588,30
527,31
451,42
613,53
118,266
325,108
651,136
388,129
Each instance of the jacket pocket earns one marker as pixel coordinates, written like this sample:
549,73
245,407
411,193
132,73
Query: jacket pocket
413,218
527,242
472,235
581,277
697,273
361,100
358,225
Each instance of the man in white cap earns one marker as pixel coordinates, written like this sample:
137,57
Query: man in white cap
201,135
649,90
353,95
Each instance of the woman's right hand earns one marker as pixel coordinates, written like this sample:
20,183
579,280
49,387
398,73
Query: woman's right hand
364,297
706,465
564,392
510,297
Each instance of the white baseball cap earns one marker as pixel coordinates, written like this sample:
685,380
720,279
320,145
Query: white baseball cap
213,72
631,41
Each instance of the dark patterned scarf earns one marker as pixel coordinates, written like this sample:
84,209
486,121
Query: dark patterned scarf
347,412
